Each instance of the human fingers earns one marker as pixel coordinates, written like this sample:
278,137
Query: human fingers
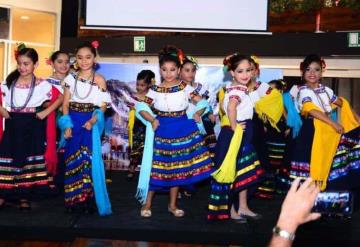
294,186
312,216
305,185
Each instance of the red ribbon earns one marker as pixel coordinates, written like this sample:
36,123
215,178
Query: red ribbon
50,153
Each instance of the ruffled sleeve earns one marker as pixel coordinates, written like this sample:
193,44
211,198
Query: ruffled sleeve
190,91
104,98
69,81
235,95
331,94
150,97
305,95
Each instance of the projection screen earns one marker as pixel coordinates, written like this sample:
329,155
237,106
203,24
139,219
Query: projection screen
225,16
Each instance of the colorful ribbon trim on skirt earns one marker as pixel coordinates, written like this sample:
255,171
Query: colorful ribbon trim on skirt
51,157
326,141
146,164
293,117
98,169
270,108
227,171
202,104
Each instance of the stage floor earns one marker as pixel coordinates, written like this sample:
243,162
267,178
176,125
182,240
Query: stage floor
48,221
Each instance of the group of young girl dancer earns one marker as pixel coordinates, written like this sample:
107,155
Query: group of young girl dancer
171,133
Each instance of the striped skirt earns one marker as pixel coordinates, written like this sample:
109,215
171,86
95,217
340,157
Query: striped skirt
248,173
77,156
210,137
22,163
180,155
345,169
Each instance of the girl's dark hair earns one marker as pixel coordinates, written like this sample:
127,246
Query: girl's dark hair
232,61
28,52
56,54
279,84
86,44
171,54
313,58
147,75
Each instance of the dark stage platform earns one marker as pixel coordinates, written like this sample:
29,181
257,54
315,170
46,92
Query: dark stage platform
48,221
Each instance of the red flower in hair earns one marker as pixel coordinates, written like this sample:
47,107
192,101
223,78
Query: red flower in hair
181,56
95,44
48,61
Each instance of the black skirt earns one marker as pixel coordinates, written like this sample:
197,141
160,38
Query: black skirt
22,163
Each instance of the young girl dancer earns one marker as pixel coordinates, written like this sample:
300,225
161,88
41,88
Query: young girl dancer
238,166
325,149
60,62
85,100
204,116
176,155
137,129
22,162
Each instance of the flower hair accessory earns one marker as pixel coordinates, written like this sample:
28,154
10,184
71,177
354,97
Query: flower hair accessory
255,59
18,49
193,61
179,54
227,62
95,44
48,59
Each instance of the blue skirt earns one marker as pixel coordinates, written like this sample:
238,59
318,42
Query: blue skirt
180,155
78,149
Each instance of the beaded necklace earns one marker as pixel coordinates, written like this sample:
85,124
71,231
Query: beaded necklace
31,91
88,93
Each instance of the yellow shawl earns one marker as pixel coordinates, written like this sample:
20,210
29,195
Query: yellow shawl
131,126
227,171
224,120
326,141
270,108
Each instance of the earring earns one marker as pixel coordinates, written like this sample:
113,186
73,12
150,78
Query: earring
75,66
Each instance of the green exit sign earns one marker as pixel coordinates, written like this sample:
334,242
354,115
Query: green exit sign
354,39
139,43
